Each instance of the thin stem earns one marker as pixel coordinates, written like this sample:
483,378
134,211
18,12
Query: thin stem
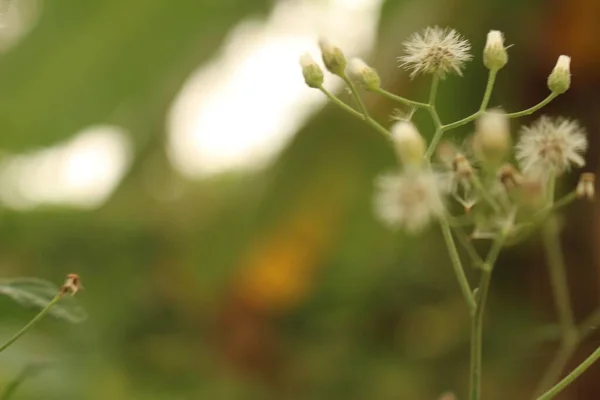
477,322
356,95
27,372
355,113
589,325
462,122
483,192
433,90
437,136
562,300
341,104
457,265
33,321
489,87
484,103
470,249
567,380
533,109
400,99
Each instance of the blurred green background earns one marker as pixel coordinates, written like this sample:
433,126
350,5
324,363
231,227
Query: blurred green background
219,212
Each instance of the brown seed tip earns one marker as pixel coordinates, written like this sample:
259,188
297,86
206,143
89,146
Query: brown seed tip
72,285
586,188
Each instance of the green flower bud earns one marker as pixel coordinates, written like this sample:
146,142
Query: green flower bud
333,58
494,54
313,75
408,143
560,78
492,141
364,75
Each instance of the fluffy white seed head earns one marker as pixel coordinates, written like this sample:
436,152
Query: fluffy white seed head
492,141
551,144
494,54
313,75
361,73
560,77
408,143
435,51
333,57
409,200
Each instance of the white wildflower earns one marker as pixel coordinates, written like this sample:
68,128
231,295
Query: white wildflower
409,199
363,74
551,144
435,51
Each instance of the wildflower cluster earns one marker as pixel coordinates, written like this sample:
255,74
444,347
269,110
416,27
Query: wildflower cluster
498,188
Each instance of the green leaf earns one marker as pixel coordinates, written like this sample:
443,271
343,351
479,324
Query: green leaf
33,292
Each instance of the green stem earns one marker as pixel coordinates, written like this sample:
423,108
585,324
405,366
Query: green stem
589,325
356,95
477,321
400,99
483,192
533,109
567,380
457,265
433,90
355,113
489,87
562,300
31,323
470,249
462,122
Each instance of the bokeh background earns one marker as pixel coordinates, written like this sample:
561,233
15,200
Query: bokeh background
219,212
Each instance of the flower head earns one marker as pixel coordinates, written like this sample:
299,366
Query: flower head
551,144
409,199
435,51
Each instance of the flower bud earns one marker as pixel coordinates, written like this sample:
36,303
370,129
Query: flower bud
463,170
494,54
510,177
560,77
363,74
333,58
313,75
408,143
586,188
492,140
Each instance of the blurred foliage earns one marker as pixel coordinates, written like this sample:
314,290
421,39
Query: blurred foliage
276,284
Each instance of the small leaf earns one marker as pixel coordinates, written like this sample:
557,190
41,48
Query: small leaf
33,292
